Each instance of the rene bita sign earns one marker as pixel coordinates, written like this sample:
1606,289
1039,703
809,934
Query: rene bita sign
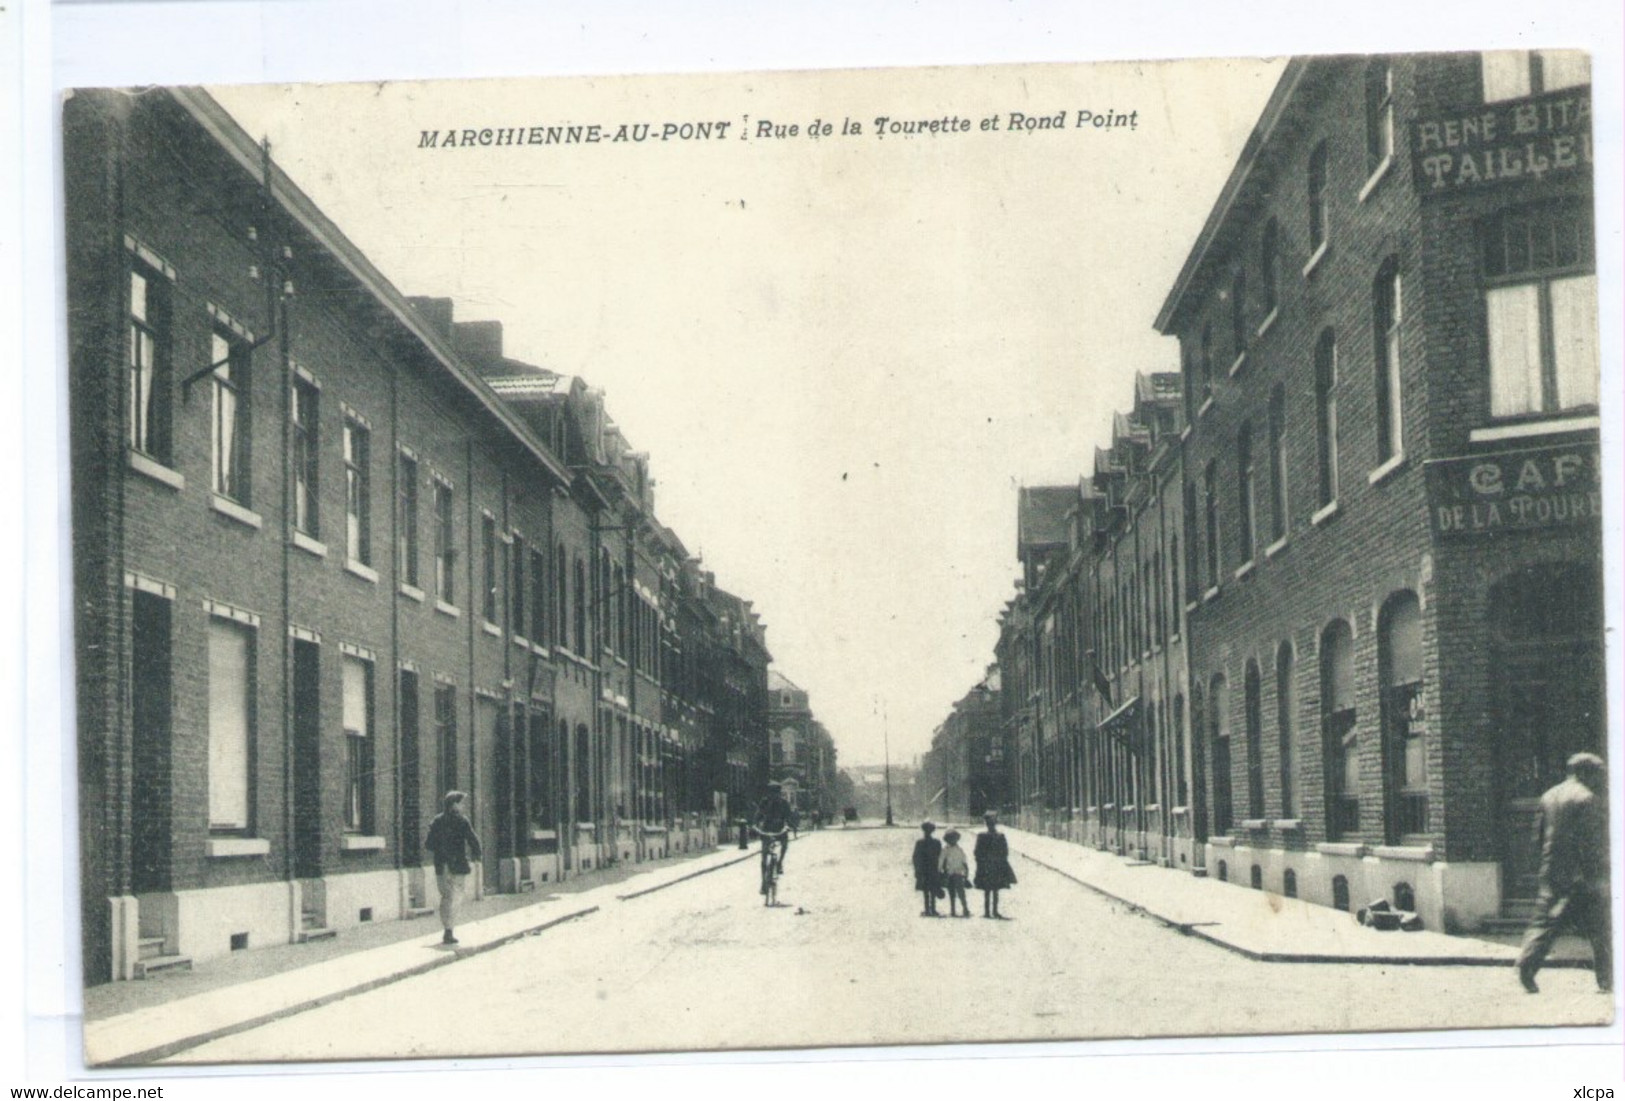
1521,139
1531,490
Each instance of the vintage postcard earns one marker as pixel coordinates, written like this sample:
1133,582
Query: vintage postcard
636,564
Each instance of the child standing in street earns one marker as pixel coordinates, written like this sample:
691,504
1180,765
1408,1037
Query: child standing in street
927,879
955,871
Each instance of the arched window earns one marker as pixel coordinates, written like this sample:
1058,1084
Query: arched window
1326,414
1404,716
1219,742
1247,497
1338,735
1319,170
1289,883
1286,708
1379,113
1385,313
1253,706
1268,268
1278,468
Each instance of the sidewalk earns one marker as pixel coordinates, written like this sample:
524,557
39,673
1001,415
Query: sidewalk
1257,924
246,991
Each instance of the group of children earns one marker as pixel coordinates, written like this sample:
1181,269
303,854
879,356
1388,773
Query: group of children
940,867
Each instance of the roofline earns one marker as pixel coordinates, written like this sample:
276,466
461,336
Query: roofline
238,144
1240,175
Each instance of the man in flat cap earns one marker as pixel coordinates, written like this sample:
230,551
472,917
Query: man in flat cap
1573,837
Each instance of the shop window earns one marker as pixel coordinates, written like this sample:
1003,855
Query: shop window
1253,706
1404,716
1339,736
1286,704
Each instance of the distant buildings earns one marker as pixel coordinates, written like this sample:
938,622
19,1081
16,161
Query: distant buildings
1326,617
336,554
800,753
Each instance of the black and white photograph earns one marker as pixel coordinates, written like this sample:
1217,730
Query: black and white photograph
770,560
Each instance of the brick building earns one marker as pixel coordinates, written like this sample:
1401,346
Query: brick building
334,555
1388,331
1337,584
965,772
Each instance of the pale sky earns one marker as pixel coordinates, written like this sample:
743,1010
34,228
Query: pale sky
845,353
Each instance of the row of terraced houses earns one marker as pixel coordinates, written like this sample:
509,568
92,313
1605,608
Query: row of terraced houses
1326,617
336,554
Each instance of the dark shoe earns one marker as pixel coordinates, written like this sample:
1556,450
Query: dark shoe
447,938
1527,978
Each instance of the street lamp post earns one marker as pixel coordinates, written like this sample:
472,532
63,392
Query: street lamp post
885,735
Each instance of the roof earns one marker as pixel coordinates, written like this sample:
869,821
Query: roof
1243,181
778,682
531,387
1042,514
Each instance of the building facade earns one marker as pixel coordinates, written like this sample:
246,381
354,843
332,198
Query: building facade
1329,618
335,554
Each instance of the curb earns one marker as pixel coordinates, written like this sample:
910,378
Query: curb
173,1047
1198,929
685,878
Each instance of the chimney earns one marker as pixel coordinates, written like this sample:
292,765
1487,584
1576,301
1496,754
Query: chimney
436,311
479,341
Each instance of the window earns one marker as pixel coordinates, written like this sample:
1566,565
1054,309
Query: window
150,333
230,420
561,602
1278,482
1210,486
1181,784
1192,557
445,733
1268,267
231,650
1404,716
357,492
1541,306
518,563
1207,363
1286,707
580,608
1513,74
1379,113
1189,386
1253,701
1246,502
359,808
1326,415
538,596
1338,735
445,551
406,521
1219,737
304,404
1385,314
1318,219
488,554
1238,313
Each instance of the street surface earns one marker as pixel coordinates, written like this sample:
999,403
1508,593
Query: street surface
845,959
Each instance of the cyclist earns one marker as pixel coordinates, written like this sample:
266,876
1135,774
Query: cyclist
773,821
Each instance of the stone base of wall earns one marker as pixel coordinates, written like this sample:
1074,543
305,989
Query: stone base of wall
1449,897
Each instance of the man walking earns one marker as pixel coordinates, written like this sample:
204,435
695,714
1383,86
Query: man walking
1573,838
451,839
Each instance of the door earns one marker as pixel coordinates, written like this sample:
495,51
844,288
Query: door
1547,666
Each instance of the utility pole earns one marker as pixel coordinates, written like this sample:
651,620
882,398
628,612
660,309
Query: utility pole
885,735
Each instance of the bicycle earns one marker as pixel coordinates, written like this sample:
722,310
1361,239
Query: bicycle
772,857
